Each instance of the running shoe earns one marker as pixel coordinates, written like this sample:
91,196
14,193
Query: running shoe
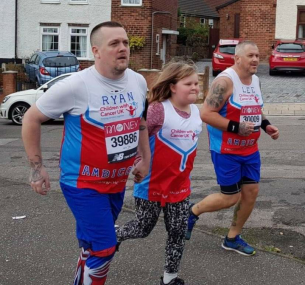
191,223
176,281
239,245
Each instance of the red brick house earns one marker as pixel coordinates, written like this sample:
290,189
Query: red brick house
249,19
156,20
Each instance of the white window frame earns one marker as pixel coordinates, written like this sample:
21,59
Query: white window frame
182,17
78,2
131,4
211,23
42,33
202,21
75,34
50,1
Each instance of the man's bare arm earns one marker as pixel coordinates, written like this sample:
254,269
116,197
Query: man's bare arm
142,167
221,89
31,132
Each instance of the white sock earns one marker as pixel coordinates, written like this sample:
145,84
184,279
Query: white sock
168,277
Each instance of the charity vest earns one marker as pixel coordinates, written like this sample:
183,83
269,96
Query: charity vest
173,150
99,146
244,105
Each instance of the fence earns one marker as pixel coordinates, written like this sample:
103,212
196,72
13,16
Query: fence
201,52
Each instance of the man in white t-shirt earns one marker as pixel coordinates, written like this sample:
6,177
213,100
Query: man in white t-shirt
100,141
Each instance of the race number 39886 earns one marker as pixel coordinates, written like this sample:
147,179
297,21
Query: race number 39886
124,139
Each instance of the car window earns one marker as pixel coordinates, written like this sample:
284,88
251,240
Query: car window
50,84
37,60
60,61
291,47
229,49
33,58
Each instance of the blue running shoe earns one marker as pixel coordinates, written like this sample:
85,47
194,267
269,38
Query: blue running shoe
191,223
239,245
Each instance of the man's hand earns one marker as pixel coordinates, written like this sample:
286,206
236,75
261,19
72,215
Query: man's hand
140,171
39,177
245,129
273,132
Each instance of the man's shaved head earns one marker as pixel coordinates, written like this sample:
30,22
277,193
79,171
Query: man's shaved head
240,48
96,35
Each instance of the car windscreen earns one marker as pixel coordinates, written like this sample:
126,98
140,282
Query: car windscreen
297,48
229,49
60,61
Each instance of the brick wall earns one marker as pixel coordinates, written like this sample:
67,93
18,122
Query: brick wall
86,63
9,82
257,23
137,21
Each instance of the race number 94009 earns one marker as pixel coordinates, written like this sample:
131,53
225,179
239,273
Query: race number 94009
124,140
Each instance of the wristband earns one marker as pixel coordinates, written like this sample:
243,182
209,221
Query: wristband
145,110
264,124
233,127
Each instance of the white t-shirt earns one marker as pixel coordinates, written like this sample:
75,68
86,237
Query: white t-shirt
71,94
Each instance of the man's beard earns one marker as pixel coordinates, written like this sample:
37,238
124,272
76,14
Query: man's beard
120,69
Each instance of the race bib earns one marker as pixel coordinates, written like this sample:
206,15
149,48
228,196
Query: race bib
252,114
122,139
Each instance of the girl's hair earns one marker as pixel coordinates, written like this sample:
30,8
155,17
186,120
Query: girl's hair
171,74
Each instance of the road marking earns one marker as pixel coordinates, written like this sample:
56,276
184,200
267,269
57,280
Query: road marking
6,141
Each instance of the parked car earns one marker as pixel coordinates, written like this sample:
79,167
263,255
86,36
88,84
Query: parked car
16,104
46,65
287,55
223,56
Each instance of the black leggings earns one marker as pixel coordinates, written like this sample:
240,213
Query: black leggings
175,218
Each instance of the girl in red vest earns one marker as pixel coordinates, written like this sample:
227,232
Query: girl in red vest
174,125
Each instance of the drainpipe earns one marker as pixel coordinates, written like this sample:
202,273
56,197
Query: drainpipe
152,32
16,14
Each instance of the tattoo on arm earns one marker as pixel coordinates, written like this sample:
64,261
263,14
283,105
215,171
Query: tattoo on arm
36,165
242,130
216,96
142,128
237,208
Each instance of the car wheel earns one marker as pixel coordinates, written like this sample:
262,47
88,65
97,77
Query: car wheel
272,72
215,73
17,112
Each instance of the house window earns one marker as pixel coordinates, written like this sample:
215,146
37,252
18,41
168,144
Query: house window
131,2
78,1
49,38
202,21
50,1
79,42
182,21
301,23
211,23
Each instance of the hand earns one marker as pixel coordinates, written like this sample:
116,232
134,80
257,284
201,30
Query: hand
273,132
39,180
140,171
245,128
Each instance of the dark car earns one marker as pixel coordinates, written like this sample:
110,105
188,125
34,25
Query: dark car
224,54
287,55
46,65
